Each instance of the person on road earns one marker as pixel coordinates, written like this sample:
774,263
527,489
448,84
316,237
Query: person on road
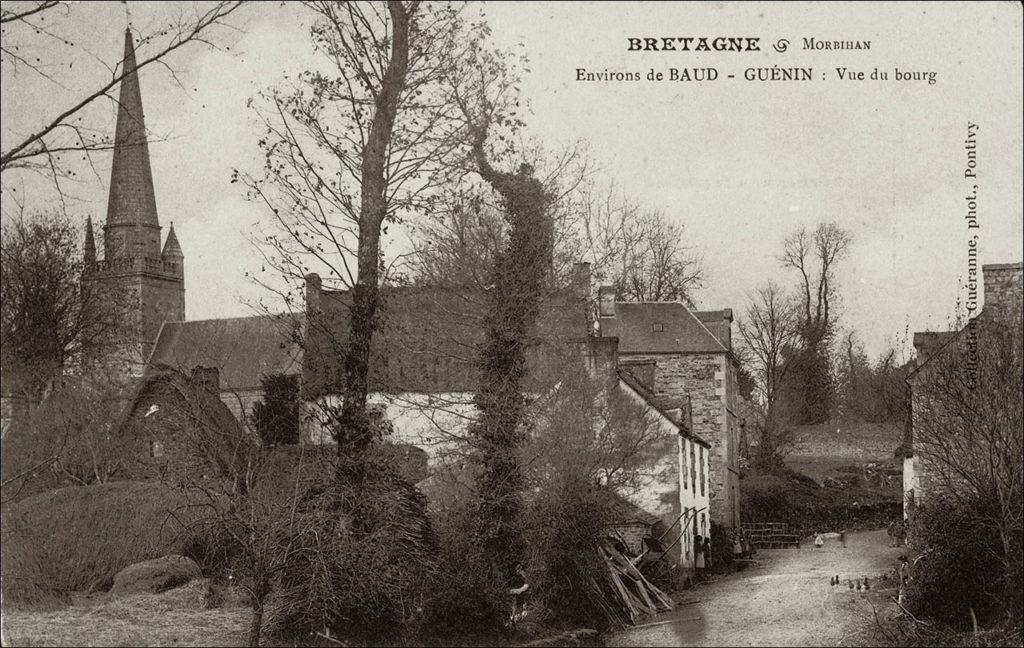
819,542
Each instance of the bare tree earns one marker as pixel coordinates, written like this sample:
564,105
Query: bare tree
36,41
352,150
51,319
640,252
770,328
968,433
814,255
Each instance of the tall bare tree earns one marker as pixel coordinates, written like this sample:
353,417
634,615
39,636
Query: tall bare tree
770,330
815,255
351,150
639,251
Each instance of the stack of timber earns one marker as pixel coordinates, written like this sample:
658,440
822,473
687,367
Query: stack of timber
633,593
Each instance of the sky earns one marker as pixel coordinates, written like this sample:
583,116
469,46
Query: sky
740,163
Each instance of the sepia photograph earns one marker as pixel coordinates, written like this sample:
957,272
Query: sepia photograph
535,323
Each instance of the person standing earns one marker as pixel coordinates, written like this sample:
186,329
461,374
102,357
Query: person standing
698,552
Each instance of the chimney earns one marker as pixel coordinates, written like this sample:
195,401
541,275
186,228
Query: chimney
727,328
207,377
603,356
313,289
581,280
1002,286
606,301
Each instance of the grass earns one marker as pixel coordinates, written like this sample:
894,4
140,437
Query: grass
173,618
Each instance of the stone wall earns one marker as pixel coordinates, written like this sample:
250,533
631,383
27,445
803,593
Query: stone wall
710,382
1004,286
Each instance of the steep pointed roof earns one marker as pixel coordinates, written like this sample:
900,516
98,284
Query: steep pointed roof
132,200
171,245
89,248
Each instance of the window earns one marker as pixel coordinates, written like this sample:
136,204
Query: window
686,477
156,449
658,328
693,467
702,470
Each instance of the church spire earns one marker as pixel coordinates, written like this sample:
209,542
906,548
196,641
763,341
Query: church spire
89,248
172,249
132,200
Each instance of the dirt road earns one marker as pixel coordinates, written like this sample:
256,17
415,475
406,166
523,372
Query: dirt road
784,601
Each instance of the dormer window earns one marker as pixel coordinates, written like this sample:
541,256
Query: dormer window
658,328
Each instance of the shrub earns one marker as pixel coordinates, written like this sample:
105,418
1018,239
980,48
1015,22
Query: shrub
466,591
962,566
76,538
362,554
276,417
568,521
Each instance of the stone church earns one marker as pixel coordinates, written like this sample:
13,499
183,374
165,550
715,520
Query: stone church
149,281
135,268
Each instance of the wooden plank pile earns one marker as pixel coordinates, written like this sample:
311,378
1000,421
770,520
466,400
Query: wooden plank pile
633,593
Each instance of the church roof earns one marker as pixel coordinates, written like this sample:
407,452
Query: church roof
244,349
132,199
660,327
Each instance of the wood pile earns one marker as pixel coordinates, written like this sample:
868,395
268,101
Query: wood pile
632,592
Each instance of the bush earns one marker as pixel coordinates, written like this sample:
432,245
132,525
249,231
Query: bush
361,559
77,538
276,417
961,567
568,521
808,508
466,591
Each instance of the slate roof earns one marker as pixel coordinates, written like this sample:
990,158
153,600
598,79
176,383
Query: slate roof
244,349
429,340
637,327
719,323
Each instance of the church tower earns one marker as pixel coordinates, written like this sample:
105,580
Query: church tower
148,283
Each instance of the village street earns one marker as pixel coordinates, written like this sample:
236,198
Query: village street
784,601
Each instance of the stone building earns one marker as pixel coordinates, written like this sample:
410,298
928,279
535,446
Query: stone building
1002,311
685,359
144,280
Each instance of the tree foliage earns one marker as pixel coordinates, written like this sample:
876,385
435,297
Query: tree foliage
276,417
50,318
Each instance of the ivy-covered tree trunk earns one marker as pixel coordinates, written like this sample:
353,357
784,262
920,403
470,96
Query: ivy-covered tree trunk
514,301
